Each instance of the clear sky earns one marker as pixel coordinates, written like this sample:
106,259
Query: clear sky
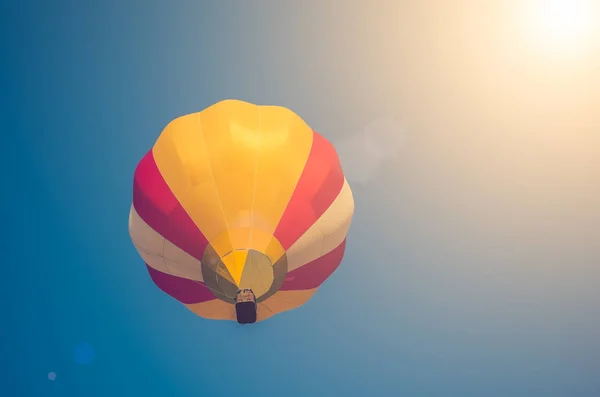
469,131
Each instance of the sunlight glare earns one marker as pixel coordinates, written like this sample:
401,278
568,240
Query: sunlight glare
561,25
564,19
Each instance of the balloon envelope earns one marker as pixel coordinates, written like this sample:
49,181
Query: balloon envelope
240,196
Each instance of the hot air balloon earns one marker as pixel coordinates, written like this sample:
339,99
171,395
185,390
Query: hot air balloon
240,211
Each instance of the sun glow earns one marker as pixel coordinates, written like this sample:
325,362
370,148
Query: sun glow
561,25
564,19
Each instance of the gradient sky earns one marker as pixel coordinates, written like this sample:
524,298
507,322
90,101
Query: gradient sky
473,258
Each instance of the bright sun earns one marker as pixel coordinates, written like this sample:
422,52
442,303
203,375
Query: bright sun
564,19
560,24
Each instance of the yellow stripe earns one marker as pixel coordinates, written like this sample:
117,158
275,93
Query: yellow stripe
280,302
283,301
214,309
233,167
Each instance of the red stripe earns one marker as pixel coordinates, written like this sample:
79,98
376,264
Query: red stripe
319,185
160,209
184,290
314,273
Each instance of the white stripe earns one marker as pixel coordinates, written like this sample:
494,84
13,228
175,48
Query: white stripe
326,233
159,253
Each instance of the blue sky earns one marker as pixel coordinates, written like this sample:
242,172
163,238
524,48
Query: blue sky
473,253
